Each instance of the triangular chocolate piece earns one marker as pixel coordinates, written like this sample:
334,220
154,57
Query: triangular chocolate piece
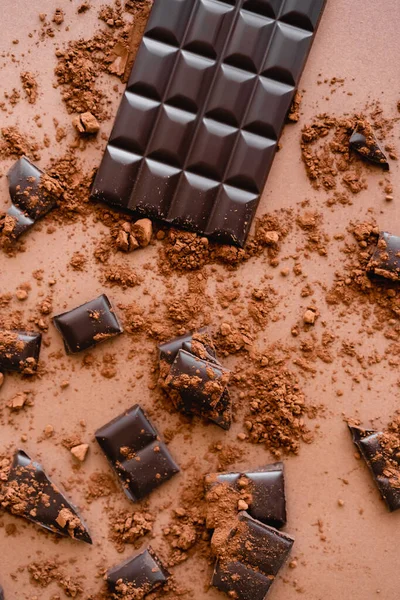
365,144
29,493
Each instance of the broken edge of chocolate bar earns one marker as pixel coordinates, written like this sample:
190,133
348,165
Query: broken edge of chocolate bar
19,351
133,448
385,261
386,475
88,325
367,147
138,575
29,493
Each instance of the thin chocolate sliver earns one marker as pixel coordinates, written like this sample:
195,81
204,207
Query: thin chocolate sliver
385,261
138,575
368,148
19,351
29,493
206,101
133,448
88,325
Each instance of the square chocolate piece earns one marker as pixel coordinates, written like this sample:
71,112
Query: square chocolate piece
138,575
251,559
88,325
136,453
19,351
385,261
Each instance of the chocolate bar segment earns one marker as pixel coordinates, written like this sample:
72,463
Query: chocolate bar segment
250,560
29,493
137,576
263,490
385,261
206,101
136,453
384,465
88,325
19,351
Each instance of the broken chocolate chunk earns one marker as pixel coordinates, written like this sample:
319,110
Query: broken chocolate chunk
199,343
19,351
250,560
385,261
137,576
29,493
365,144
383,464
263,490
88,325
136,453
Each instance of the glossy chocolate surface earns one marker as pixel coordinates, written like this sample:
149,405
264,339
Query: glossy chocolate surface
199,123
19,351
252,558
144,572
368,150
385,261
133,447
88,324
267,489
29,493
169,350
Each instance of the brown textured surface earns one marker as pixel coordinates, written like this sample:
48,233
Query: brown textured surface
346,542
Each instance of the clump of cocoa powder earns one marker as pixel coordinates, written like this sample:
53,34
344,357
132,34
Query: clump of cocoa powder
30,86
47,572
121,275
127,527
14,144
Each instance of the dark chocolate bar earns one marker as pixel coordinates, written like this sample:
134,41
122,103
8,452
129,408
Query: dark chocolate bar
199,123
137,576
88,325
29,493
250,559
385,261
19,351
264,490
365,144
385,468
136,453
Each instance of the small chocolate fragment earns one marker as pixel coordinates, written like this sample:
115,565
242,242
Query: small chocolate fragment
250,560
137,576
385,261
88,325
29,493
1,593
384,466
19,351
134,450
32,193
365,144
266,489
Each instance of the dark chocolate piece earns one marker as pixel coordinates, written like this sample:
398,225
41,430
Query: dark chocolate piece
367,147
1,593
250,559
385,261
88,325
19,351
199,343
30,198
266,488
29,493
141,574
206,101
385,468
136,453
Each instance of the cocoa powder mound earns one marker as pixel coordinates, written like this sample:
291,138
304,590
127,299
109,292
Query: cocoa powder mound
46,572
15,144
128,527
30,86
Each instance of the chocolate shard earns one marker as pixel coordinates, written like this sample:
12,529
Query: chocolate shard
198,342
137,576
29,493
384,466
199,122
263,490
33,194
365,144
133,448
250,560
19,351
385,261
88,325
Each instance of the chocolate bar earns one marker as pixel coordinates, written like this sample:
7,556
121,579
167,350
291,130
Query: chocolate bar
365,144
250,559
263,490
134,449
29,493
384,466
88,325
137,576
19,351
205,104
385,261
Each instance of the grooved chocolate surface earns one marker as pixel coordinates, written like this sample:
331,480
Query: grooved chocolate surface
199,122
